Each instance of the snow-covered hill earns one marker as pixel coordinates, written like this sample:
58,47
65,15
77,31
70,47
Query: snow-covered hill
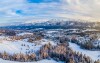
53,22
92,54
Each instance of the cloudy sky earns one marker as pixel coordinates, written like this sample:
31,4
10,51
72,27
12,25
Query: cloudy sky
31,10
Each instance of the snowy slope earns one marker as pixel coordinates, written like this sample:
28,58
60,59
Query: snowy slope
12,47
93,54
21,34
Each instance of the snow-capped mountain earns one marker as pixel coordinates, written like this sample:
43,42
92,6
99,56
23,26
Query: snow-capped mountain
53,23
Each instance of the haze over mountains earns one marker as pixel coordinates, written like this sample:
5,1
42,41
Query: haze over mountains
52,24
42,21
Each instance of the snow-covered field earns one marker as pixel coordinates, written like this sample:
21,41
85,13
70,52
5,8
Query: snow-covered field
95,55
51,32
23,46
42,61
13,47
21,34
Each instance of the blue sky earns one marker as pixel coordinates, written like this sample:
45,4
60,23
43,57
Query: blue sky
42,1
32,10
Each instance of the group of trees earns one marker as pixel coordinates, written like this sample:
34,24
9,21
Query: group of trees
10,33
62,52
31,38
18,57
88,44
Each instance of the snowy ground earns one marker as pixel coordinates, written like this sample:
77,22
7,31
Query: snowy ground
51,31
95,55
21,34
42,61
12,47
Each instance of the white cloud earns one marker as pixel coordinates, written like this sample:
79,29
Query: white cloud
86,8
77,9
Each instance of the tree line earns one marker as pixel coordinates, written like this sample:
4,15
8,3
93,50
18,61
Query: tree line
60,52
